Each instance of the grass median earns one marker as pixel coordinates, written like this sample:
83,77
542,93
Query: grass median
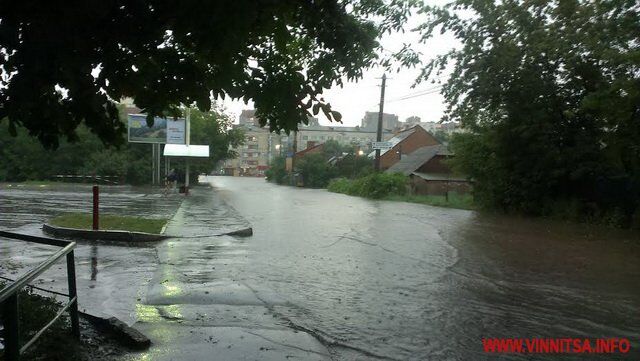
109,222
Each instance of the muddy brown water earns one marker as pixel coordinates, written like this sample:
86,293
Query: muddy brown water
372,279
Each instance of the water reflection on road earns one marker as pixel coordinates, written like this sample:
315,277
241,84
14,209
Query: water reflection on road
371,279
111,279
407,281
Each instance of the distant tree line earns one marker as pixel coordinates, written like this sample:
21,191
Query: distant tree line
23,158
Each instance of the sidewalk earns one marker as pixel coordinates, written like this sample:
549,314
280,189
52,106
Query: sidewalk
193,312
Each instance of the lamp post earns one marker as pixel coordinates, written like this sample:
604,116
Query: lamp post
357,153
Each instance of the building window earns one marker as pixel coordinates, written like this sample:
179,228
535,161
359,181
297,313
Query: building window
304,137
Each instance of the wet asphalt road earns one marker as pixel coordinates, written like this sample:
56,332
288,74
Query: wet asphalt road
369,279
392,280
111,279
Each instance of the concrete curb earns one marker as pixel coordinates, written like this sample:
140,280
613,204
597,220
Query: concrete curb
125,335
117,236
245,232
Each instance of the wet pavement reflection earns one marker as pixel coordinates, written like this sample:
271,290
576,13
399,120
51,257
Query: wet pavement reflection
111,278
407,281
369,279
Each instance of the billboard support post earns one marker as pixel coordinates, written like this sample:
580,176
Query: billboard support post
187,138
164,131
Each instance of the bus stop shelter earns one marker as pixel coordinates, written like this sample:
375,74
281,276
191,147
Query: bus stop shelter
186,152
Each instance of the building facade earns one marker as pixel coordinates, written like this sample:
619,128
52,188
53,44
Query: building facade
262,146
370,121
403,143
310,135
256,154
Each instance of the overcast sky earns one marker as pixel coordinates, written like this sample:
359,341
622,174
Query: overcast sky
354,99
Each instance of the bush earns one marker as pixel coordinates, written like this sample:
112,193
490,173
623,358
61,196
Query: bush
277,173
35,312
340,185
376,185
314,170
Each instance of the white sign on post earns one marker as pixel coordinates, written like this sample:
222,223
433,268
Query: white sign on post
176,131
380,145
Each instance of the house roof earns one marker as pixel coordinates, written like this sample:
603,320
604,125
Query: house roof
411,162
440,177
394,141
307,150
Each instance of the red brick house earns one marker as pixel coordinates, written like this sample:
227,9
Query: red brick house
405,142
312,147
429,173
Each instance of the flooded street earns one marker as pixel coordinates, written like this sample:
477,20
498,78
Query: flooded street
368,279
406,281
111,278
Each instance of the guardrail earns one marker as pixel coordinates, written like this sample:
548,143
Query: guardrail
111,179
9,295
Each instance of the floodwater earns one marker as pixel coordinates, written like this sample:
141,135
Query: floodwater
111,279
391,280
369,279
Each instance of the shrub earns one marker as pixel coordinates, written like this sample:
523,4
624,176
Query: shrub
314,170
277,173
339,185
376,185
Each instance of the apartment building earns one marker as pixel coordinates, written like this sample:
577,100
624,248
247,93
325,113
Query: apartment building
261,146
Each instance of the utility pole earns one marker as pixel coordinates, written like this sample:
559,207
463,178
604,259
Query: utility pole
379,133
187,136
293,156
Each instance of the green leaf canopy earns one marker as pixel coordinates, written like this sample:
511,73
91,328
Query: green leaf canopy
63,63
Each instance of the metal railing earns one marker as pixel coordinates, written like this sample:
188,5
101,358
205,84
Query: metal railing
9,295
110,179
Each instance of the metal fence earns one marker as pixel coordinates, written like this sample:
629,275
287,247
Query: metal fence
9,295
107,179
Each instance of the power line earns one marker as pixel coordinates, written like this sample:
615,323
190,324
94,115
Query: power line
417,94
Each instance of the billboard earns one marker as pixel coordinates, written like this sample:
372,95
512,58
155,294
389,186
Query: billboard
163,130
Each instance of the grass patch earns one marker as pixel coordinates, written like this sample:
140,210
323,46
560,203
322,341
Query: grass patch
455,200
109,222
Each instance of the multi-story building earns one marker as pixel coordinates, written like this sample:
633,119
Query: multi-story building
256,154
311,135
370,121
261,146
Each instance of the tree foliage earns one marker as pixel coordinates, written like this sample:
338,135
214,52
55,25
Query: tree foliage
550,92
24,158
64,63
318,169
212,128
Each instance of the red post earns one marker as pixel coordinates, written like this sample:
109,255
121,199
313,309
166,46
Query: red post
96,209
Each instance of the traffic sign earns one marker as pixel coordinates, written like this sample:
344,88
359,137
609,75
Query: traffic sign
381,145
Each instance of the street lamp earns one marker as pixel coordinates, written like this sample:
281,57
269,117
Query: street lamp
356,154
